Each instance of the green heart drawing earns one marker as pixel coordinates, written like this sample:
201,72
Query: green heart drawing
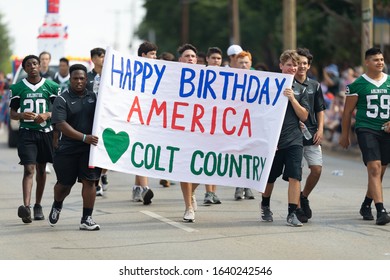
116,144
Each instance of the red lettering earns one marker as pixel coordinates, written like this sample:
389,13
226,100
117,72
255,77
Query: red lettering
135,108
158,109
246,122
196,116
224,128
213,121
176,115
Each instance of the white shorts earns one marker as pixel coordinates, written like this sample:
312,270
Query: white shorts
313,155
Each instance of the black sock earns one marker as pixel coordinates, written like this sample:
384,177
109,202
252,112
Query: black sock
58,204
302,196
292,207
367,201
265,201
87,212
379,207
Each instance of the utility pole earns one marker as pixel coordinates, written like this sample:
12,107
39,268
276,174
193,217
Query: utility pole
234,20
185,21
367,27
289,24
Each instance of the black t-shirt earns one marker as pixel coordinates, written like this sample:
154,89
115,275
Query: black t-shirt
90,79
316,103
78,112
291,134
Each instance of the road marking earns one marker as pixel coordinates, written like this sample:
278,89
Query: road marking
168,221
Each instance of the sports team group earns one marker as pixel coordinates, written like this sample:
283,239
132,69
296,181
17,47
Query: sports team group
56,112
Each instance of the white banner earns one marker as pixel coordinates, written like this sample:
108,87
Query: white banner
191,123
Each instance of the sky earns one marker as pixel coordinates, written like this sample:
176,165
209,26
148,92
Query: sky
91,23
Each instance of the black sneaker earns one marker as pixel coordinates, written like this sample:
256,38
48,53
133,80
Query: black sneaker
54,216
38,214
147,195
88,224
301,215
382,218
266,214
24,212
366,213
305,207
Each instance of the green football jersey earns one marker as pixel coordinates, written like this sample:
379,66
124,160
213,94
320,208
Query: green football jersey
35,98
373,105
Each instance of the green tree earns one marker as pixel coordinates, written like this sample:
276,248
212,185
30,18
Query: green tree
330,29
5,51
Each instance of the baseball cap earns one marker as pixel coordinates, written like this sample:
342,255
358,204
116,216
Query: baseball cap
234,49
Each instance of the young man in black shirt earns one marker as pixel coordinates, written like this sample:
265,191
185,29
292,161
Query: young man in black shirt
288,156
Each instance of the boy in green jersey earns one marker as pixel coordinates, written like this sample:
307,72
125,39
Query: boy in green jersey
33,96
370,96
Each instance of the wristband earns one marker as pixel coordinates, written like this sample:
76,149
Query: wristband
84,136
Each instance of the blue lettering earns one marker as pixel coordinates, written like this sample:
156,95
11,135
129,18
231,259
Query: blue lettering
226,76
237,86
184,80
146,74
116,71
248,97
279,86
138,67
159,74
207,84
265,92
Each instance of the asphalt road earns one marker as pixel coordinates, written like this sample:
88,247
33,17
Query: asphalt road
229,231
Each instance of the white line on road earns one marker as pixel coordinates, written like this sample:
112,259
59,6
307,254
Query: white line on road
168,221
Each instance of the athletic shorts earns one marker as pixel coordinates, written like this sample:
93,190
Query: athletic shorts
287,162
313,155
72,164
35,146
374,145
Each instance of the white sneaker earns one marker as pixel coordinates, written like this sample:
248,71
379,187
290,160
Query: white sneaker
194,203
137,194
292,220
189,216
48,170
99,190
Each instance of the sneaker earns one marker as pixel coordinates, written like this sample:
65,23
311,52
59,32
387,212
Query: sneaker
216,199
99,190
382,218
189,216
248,194
239,194
24,212
208,198
293,221
54,216
47,169
266,214
88,224
165,183
137,194
301,215
194,203
366,213
104,181
147,195
38,214
305,206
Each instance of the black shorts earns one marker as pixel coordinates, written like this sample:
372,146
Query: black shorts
35,146
72,164
287,162
374,145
